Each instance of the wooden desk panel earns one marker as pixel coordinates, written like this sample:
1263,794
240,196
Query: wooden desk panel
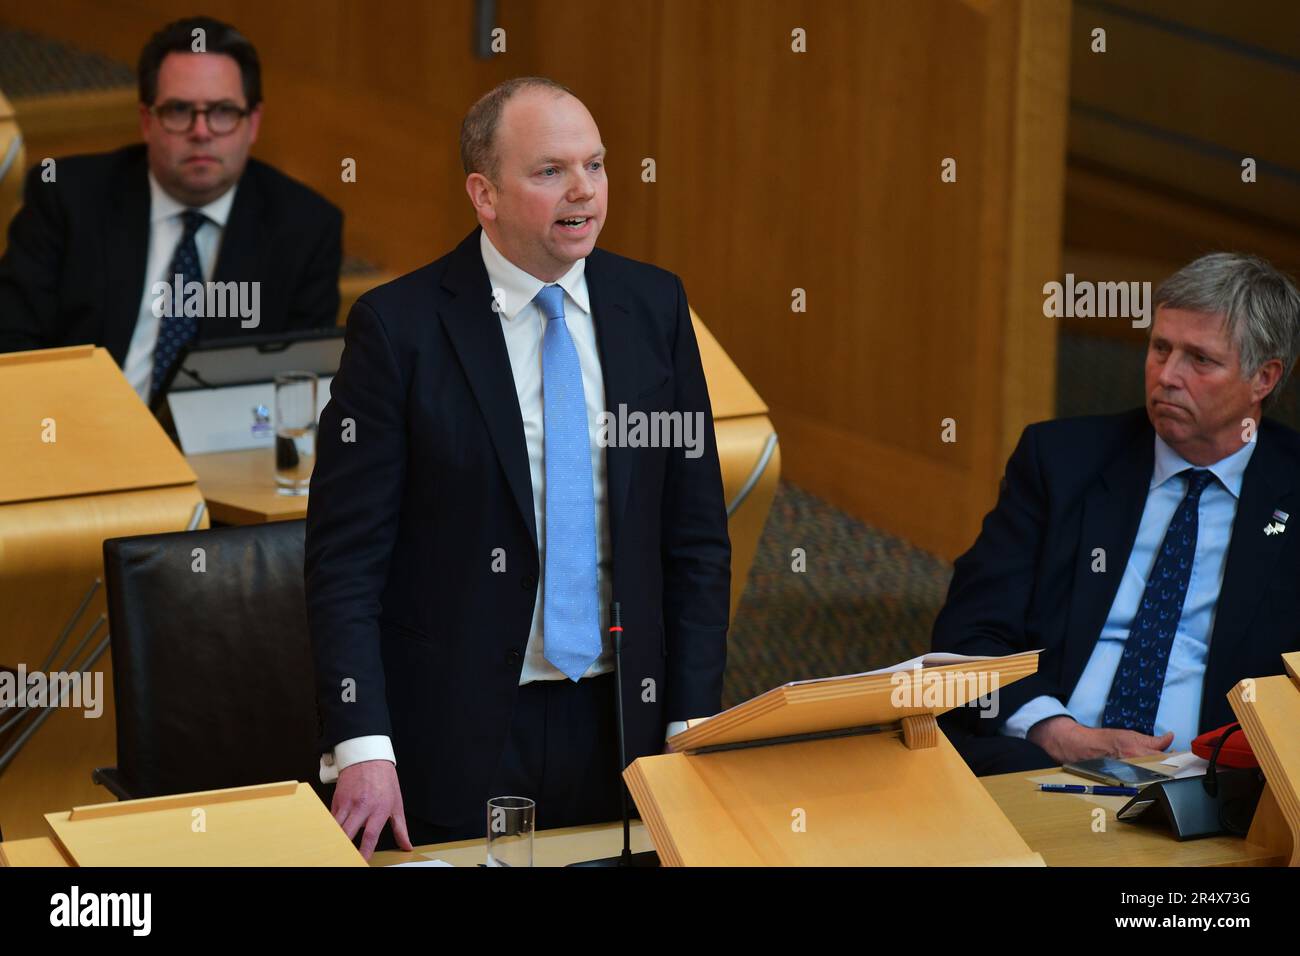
1059,826
239,487
37,851
550,847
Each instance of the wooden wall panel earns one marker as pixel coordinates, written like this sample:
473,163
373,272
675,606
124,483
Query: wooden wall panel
822,171
1184,92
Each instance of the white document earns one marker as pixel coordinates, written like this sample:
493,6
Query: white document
420,863
932,659
1185,764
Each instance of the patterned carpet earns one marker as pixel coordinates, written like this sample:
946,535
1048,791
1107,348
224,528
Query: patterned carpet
865,600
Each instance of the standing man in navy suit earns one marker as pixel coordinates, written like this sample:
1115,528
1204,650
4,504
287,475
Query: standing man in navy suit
472,518
1146,554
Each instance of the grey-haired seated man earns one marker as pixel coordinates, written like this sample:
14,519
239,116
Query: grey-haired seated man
1146,554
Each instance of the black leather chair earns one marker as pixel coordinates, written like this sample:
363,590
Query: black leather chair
212,669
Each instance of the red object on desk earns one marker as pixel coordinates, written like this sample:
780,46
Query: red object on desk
1236,750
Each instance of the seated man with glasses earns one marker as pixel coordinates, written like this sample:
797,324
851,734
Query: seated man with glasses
100,237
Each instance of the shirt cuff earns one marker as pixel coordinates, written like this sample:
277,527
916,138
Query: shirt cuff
355,750
1036,710
674,727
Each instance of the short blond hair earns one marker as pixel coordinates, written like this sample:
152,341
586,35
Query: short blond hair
478,131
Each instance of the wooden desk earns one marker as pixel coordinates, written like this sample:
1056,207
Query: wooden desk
1059,826
38,851
239,487
550,847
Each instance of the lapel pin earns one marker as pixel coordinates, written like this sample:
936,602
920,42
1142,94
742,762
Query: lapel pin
1278,524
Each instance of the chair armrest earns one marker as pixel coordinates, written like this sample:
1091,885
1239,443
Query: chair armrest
108,777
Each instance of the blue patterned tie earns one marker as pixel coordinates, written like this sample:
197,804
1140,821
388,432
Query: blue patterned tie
177,331
1135,692
570,608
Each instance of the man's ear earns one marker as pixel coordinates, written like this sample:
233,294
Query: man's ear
145,117
1266,379
483,195
254,123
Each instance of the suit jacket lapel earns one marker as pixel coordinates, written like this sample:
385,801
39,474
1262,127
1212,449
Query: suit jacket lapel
1112,511
126,259
475,333
1266,487
618,355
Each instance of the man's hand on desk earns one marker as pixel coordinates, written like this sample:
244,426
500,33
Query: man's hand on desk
366,797
1067,741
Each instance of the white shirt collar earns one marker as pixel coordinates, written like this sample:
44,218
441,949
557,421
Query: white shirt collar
1230,471
519,288
163,206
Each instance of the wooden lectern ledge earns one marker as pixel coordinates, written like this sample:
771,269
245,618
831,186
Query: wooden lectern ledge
845,771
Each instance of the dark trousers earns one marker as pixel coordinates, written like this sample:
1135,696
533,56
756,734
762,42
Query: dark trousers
562,752
989,755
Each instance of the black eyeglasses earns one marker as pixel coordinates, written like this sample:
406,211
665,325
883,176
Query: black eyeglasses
177,116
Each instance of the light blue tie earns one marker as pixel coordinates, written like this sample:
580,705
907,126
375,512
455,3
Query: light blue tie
570,606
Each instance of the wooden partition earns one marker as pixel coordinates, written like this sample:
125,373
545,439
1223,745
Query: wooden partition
1183,93
775,171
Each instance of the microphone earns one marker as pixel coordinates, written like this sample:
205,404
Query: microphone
627,857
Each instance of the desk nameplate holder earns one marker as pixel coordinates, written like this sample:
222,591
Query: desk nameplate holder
273,824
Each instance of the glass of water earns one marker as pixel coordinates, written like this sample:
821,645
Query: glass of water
510,831
295,431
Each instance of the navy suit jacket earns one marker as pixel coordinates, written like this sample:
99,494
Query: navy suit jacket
1075,485
404,519
73,272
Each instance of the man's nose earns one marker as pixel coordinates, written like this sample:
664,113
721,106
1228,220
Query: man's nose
583,189
200,131
1171,373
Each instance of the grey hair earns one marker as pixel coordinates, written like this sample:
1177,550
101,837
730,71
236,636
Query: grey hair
479,129
1261,306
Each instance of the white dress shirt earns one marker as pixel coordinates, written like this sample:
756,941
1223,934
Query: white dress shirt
523,326
165,230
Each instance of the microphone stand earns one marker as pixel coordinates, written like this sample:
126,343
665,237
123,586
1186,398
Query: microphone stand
627,857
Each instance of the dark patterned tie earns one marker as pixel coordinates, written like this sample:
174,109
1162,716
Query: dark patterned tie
177,331
1135,692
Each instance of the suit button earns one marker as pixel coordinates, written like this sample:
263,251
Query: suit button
528,582
513,656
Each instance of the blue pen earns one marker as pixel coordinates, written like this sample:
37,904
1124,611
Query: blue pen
1080,788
